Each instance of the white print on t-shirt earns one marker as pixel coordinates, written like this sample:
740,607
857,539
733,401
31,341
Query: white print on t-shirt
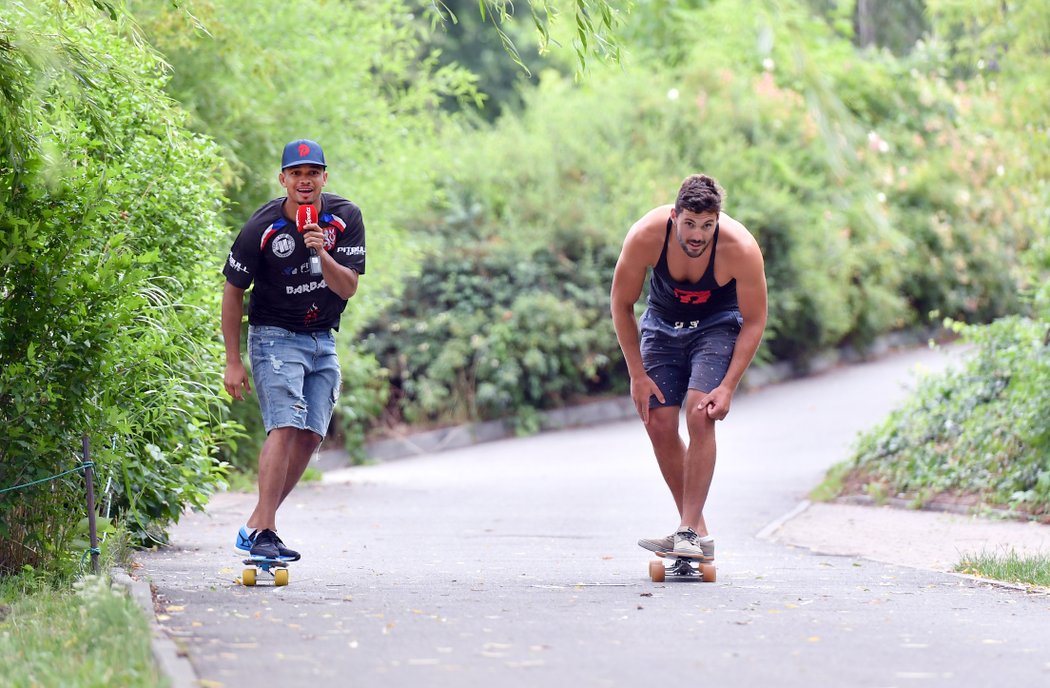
236,265
305,288
351,250
283,245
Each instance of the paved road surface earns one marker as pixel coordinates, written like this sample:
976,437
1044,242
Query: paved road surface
514,563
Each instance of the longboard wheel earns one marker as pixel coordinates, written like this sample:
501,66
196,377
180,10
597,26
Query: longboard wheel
707,572
657,571
280,577
248,577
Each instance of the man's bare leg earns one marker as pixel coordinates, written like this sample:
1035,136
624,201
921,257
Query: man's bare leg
699,463
282,461
301,451
669,449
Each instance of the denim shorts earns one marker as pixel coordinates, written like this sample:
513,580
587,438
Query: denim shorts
296,377
680,356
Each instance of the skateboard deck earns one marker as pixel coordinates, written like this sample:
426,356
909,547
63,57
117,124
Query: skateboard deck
682,566
278,568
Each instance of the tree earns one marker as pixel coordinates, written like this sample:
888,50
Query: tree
594,33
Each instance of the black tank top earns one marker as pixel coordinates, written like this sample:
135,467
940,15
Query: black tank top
676,301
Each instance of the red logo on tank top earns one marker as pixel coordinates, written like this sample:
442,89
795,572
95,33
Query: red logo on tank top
692,297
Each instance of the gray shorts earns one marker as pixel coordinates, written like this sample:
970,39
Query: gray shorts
687,355
296,376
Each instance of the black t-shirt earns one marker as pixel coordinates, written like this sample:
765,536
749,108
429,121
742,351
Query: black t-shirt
271,252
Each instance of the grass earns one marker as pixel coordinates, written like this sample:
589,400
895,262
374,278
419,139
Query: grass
833,483
87,636
1010,567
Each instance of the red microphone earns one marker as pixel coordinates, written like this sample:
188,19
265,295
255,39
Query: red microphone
307,215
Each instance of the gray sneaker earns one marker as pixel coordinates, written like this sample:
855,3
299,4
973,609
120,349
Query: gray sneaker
687,542
664,544
707,544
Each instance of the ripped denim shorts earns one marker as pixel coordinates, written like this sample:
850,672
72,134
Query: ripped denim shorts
296,377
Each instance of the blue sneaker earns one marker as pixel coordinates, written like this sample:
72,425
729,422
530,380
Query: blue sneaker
245,540
285,553
265,545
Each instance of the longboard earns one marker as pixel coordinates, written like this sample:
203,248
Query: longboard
682,566
278,568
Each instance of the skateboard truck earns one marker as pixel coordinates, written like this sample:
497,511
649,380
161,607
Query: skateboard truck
682,566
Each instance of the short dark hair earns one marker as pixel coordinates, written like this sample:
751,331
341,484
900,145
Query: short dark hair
699,194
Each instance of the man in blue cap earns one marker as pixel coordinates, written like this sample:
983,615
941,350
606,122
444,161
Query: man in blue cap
292,318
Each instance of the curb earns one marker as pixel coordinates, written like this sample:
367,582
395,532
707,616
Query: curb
460,436
771,528
171,662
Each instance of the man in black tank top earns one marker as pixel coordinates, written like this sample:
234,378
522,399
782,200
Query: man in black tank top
704,321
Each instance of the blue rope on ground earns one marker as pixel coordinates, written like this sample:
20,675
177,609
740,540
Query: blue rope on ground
82,467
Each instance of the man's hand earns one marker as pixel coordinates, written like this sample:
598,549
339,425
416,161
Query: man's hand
313,237
235,380
642,388
716,403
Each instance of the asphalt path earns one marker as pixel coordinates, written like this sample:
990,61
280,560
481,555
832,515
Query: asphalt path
514,563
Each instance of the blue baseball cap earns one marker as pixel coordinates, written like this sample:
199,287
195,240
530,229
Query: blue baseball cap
302,152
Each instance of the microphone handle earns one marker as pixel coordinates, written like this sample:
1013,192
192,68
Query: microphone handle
315,263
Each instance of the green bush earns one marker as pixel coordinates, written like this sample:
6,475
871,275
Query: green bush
108,229
376,105
980,429
871,182
491,332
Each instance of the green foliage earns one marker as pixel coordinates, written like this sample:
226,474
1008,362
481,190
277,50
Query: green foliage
357,78
461,36
107,240
859,239
593,27
872,184
364,394
495,332
979,429
982,430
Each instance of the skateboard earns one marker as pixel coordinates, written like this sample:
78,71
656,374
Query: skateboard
278,568
682,566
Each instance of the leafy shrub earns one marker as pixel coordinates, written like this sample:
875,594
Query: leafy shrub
868,223
488,332
108,223
375,104
980,429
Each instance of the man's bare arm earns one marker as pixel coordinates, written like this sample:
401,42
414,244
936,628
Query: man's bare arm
752,301
235,379
628,280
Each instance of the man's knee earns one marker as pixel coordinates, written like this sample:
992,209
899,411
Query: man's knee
697,420
281,436
307,440
663,422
